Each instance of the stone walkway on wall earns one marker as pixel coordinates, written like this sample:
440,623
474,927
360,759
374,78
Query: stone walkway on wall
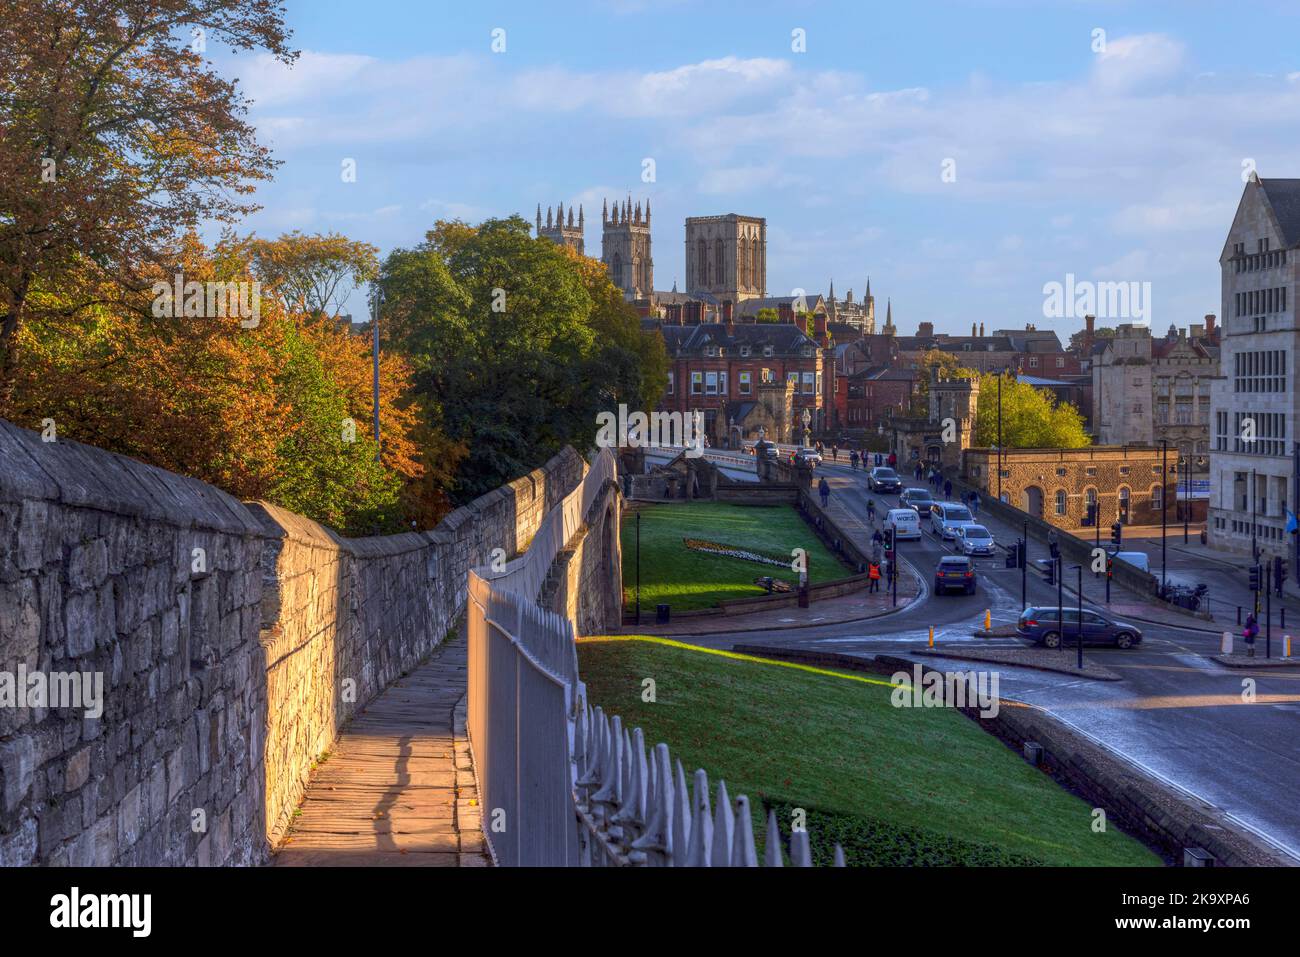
398,787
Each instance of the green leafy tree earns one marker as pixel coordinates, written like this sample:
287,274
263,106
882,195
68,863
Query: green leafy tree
767,314
516,344
1032,418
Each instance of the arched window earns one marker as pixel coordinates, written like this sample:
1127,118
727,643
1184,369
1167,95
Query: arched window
1090,504
616,270
719,274
1157,497
742,263
702,262
1124,504
1061,501
756,277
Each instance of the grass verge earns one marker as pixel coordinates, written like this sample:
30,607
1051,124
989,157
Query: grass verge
685,579
894,785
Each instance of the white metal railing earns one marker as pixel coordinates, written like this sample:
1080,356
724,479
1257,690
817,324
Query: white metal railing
565,785
526,574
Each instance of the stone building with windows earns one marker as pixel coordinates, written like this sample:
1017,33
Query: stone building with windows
1253,406
726,257
1123,483
1146,391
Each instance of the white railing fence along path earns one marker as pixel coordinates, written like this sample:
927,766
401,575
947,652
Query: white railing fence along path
561,783
526,574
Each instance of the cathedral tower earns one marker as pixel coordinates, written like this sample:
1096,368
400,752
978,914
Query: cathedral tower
558,231
625,248
726,257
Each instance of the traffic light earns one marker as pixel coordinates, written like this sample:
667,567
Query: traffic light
1254,578
1110,564
1116,533
1051,573
889,539
1092,514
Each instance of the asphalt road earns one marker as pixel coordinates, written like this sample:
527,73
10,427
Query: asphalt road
1176,714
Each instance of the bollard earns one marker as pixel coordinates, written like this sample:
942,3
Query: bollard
1283,622
1287,641
988,618
1033,753
1239,614
932,636
1225,647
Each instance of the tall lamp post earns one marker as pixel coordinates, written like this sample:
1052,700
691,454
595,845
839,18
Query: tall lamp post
376,298
1186,464
1080,613
999,437
1254,530
1164,514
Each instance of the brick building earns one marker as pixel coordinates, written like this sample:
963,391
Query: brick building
745,374
1056,485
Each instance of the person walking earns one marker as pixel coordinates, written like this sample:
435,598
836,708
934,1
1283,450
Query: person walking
892,460
974,503
1248,634
871,510
835,453
853,458
824,490
1053,545
873,575
947,489
876,541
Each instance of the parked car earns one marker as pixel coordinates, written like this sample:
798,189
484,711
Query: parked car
905,523
954,571
884,479
917,499
974,540
946,517
1039,624
810,456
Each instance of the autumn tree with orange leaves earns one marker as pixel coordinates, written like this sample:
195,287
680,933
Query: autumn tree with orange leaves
117,136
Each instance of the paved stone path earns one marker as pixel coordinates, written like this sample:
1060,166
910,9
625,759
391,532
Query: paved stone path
398,787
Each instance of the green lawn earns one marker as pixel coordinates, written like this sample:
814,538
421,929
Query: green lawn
894,785
686,579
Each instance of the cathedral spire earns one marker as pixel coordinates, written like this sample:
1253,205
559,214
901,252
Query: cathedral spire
548,217
570,217
604,211
647,213
539,219
581,225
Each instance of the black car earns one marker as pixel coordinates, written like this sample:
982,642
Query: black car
954,572
884,479
1041,625
917,499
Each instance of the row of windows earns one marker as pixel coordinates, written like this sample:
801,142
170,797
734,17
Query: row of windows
717,383
1261,300
746,351
1263,259
1263,371
1060,362
1256,433
714,273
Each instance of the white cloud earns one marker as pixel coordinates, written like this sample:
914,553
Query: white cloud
1135,61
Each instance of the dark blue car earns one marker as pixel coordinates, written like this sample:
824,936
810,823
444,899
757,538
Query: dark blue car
1040,624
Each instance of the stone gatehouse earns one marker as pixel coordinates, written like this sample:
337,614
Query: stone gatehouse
1057,484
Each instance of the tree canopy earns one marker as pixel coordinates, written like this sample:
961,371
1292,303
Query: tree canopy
516,343
1032,418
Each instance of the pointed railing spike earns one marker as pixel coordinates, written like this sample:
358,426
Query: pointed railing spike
839,856
701,822
772,844
724,827
800,849
681,819
742,849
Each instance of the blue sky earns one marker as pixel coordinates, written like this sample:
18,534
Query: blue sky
1121,164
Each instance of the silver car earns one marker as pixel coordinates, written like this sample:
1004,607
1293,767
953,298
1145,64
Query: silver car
974,540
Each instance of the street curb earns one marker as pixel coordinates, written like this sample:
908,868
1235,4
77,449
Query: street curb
1238,662
975,656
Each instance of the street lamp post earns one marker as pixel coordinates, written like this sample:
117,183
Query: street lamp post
1024,566
1164,515
1187,495
1254,530
1080,613
1060,604
376,298
806,418
999,437
638,566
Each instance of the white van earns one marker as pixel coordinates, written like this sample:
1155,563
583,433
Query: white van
905,523
1136,559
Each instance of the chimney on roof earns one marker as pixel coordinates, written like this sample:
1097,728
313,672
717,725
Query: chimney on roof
801,320
925,329
1210,331
728,317
819,331
981,330
972,330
